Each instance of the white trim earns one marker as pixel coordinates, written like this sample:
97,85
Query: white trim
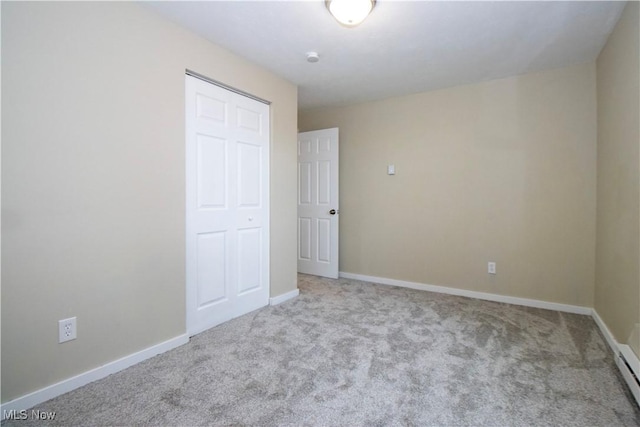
621,352
284,297
608,336
471,294
30,400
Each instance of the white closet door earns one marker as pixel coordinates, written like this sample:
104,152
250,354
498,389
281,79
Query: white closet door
227,213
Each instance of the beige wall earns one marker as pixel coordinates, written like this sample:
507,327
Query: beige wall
617,289
500,171
93,182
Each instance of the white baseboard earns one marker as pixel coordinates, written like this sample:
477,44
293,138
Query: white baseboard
35,398
608,336
471,294
622,353
284,297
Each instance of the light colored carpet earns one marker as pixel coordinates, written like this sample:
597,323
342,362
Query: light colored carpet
352,353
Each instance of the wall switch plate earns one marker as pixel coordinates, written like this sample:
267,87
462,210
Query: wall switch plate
491,267
67,330
391,169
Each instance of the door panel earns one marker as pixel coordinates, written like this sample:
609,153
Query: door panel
324,183
318,210
211,108
227,214
304,183
304,239
249,182
249,120
211,276
212,172
324,237
250,261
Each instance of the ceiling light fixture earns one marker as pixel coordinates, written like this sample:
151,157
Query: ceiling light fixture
350,12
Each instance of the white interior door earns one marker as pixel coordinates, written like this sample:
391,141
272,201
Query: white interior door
318,210
227,212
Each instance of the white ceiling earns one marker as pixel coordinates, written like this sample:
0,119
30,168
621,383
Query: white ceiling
404,46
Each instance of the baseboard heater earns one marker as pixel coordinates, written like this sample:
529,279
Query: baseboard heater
629,366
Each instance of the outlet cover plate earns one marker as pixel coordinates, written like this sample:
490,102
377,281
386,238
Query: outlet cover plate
491,267
67,330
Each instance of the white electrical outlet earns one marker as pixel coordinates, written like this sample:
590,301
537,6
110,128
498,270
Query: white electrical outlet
491,267
67,329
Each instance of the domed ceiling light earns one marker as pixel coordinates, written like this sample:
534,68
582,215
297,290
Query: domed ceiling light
350,12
